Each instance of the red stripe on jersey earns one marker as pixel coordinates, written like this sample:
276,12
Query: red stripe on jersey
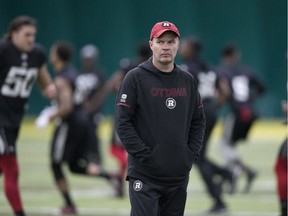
200,106
123,104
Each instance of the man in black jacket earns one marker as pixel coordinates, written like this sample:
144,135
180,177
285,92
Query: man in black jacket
160,121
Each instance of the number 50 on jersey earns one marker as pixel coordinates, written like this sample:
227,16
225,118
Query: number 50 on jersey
19,82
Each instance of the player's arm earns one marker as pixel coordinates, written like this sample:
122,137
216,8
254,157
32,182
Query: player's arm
92,104
64,99
46,84
223,91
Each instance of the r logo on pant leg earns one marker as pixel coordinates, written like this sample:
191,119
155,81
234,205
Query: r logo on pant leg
137,185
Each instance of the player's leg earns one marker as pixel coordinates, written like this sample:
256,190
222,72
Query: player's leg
211,119
84,155
121,155
80,165
214,188
240,132
118,151
90,151
10,169
11,172
63,187
224,175
57,158
206,168
280,169
228,151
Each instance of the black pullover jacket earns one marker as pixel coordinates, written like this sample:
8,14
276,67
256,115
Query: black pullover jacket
160,121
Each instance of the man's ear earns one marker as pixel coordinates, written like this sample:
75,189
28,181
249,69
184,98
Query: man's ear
151,43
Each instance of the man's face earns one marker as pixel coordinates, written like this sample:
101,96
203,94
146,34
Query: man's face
165,47
24,38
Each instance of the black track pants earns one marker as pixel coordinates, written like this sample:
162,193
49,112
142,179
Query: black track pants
150,199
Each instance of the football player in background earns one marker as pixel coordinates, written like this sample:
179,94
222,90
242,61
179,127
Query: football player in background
22,62
213,93
244,87
74,141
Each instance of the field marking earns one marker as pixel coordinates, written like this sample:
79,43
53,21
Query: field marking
125,212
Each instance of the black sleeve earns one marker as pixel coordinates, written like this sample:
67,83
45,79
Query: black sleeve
197,127
126,106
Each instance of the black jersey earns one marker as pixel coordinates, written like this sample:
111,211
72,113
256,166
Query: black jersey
86,85
244,85
18,72
207,79
69,74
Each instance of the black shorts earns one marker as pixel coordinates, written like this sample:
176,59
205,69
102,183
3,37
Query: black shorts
75,139
235,129
8,138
